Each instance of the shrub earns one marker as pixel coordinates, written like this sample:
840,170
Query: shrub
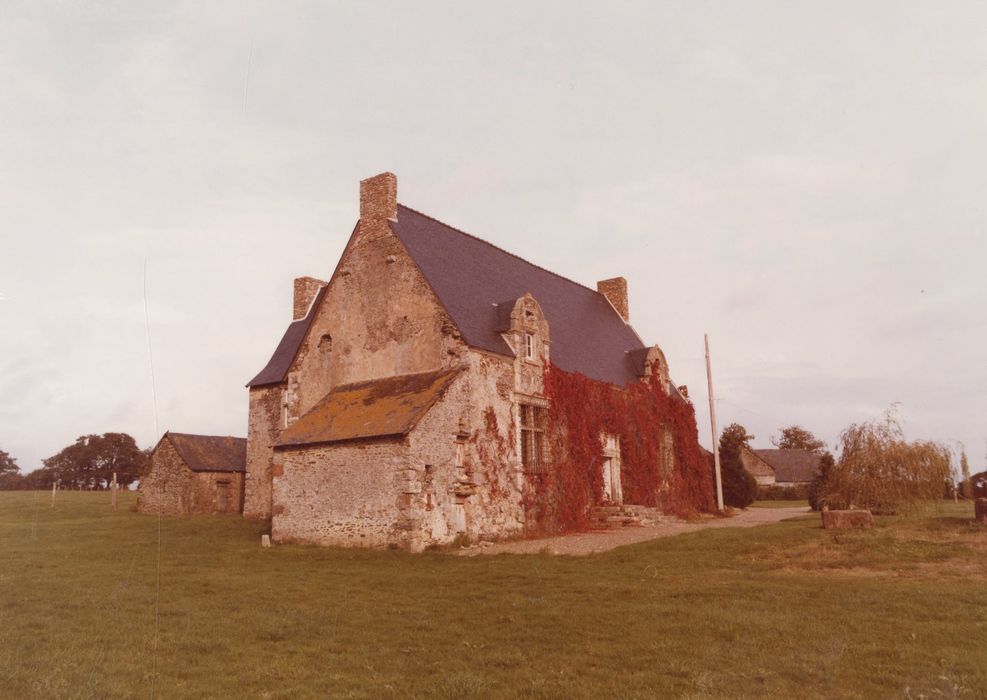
739,485
818,485
777,492
879,470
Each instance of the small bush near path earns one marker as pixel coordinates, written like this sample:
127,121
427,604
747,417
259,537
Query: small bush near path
774,492
778,611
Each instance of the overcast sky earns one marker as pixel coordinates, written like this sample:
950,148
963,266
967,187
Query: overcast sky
803,181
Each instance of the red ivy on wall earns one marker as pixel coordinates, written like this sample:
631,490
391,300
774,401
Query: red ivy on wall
582,409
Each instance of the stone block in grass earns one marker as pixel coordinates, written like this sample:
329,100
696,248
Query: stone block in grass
847,519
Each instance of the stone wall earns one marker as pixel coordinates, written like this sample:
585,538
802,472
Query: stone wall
457,473
378,318
763,474
171,488
465,459
263,428
347,494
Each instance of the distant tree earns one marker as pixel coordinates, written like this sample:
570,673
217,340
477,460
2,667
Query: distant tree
10,473
739,485
966,486
38,479
90,462
880,470
795,437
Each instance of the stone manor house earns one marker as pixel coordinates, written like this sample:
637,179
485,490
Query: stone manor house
404,405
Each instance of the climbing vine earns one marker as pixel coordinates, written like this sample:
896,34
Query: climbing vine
662,464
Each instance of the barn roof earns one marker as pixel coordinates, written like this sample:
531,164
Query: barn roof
379,408
473,278
758,466
210,453
791,466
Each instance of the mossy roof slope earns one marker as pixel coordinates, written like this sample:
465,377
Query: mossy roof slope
388,407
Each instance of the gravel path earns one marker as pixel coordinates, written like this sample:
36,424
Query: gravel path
583,543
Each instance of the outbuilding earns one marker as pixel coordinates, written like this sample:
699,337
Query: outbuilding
191,474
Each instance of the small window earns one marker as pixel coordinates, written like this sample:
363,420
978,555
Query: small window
533,438
529,346
284,408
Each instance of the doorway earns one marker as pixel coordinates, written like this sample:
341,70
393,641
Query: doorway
223,497
611,481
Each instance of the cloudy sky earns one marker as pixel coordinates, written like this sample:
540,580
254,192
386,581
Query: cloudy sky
803,181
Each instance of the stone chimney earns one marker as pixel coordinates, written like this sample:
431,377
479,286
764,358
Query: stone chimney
305,290
379,197
616,291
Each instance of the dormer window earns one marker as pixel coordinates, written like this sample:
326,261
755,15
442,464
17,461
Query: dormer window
529,346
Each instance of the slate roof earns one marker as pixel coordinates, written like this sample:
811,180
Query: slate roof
472,278
379,408
477,283
210,453
277,367
791,466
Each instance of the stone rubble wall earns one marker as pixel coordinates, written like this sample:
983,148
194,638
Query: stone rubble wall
263,428
457,474
344,494
171,488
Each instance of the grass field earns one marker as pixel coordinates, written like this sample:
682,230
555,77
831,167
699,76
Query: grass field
779,611
780,504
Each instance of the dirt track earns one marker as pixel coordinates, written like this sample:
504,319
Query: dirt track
583,543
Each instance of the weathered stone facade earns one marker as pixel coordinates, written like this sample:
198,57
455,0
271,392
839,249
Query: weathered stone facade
762,471
454,468
172,487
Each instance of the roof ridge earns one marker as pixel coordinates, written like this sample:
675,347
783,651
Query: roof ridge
172,432
502,250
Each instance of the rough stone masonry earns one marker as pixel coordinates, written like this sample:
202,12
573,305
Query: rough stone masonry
401,406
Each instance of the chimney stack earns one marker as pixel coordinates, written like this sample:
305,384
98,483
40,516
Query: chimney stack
615,290
305,290
379,197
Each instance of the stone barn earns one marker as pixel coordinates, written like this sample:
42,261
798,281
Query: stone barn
194,474
755,464
790,467
407,404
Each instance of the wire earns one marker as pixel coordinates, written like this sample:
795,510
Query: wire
154,402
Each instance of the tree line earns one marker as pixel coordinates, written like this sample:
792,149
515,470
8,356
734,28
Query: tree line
877,468
87,464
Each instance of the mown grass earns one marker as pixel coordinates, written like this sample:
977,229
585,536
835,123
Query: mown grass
780,504
778,611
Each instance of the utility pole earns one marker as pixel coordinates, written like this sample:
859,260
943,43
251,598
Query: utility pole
712,425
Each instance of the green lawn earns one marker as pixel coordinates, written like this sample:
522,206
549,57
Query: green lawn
780,504
778,611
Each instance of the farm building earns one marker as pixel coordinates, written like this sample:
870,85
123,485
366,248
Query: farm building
194,474
788,467
755,464
438,387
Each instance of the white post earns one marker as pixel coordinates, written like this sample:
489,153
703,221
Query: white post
712,425
114,489
53,494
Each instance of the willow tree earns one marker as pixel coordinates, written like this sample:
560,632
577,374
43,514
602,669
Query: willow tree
880,470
